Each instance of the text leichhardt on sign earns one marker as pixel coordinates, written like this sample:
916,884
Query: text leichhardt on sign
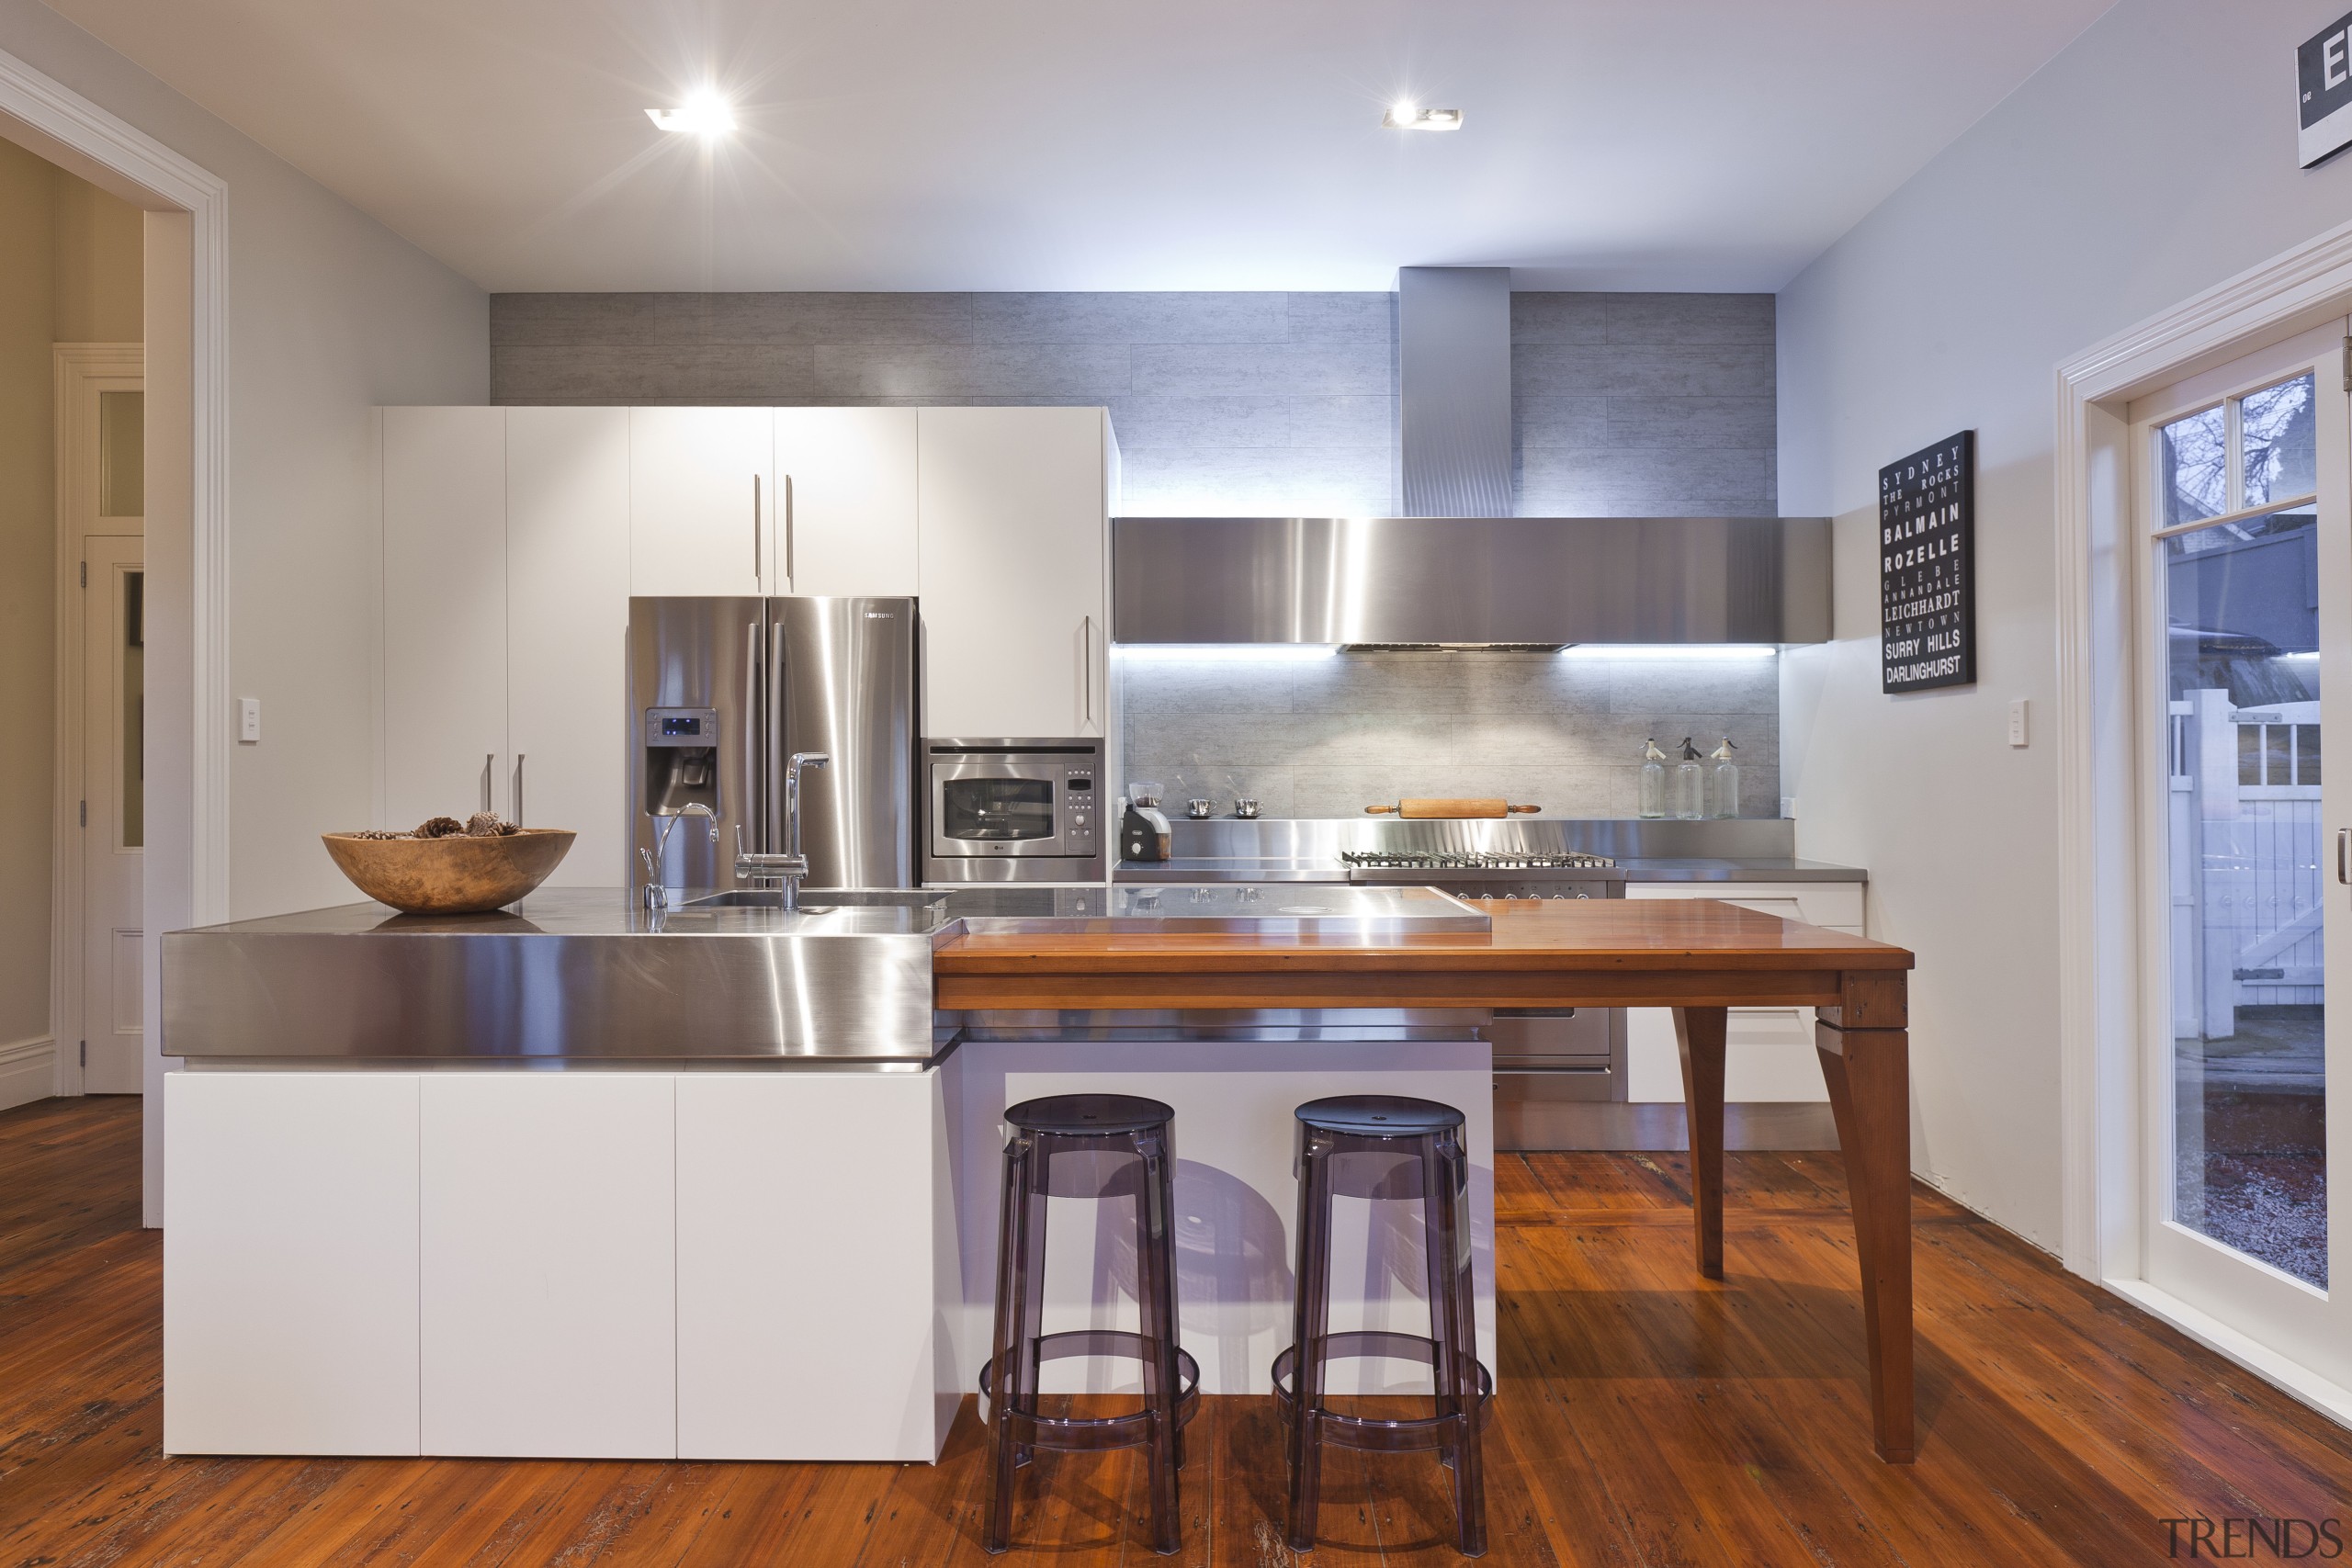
1926,567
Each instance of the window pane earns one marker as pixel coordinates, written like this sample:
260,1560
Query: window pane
2307,753
2192,468
2249,1095
122,454
134,710
2277,428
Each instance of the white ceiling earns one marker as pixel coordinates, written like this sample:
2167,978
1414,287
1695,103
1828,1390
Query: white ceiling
946,144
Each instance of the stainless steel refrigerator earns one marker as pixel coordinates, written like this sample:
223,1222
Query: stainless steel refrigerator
721,692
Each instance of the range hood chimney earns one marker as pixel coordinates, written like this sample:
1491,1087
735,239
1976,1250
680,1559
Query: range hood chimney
1456,570
1453,391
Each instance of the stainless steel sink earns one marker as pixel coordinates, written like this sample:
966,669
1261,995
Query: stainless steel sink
818,900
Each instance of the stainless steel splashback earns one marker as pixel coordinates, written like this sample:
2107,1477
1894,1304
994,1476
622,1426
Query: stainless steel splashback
1470,579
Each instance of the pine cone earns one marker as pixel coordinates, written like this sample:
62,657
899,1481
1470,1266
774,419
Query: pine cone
485,825
439,828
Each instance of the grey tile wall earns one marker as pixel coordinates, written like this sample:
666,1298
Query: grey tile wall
1223,402
1644,405
1327,738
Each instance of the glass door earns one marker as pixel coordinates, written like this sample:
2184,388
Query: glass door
2247,601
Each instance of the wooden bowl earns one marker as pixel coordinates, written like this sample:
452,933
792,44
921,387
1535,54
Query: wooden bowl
449,876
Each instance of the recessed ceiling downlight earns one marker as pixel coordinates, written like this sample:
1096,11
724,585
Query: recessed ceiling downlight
1411,117
704,113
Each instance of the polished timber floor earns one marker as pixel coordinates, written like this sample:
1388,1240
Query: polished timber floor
1649,1418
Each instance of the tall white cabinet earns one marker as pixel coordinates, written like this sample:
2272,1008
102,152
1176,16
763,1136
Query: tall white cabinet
1014,567
513,538
567,629
445,611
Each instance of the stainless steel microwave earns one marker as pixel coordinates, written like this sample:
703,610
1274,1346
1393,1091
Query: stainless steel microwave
997,811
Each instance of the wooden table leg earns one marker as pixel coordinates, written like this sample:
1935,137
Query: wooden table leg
1698,1031
1865,1053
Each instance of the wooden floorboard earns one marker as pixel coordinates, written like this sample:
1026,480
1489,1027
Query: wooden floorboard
1649,1417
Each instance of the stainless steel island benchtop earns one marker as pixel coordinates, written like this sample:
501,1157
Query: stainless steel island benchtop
590,975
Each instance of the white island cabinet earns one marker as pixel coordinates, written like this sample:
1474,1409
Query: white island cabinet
1771,1058
655,1264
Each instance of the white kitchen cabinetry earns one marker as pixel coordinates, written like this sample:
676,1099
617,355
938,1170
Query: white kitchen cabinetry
548,1249
445,611
567,627
702,501
812,1259
1769,1057
291,1263
1013,564
846,524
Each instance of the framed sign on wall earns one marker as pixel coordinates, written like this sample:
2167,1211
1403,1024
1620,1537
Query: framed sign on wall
2324,93
1926,567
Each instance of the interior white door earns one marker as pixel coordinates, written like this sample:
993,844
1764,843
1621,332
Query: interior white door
702,501
567,626
2244,476
848,521
114,828
444,613
1011,552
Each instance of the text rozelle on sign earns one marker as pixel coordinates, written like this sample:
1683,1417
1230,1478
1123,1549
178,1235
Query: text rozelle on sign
1926,567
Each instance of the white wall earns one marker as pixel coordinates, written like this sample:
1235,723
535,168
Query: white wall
329,313
2153,158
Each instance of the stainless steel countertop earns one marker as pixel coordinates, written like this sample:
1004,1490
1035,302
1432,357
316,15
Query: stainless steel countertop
1754,869
587,975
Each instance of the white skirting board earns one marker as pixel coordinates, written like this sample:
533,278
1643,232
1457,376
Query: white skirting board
28,1071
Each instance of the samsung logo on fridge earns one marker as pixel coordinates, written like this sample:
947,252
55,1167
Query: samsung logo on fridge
2324,83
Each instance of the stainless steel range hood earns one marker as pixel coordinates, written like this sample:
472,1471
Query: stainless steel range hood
1479,580
1470,579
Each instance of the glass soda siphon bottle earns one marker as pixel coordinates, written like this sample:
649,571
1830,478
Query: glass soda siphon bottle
1723,780
1652,796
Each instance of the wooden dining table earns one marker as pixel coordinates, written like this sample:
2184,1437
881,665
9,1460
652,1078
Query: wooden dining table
1699,957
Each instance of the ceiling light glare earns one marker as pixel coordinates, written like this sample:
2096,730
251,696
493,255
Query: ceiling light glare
704,113
1406,116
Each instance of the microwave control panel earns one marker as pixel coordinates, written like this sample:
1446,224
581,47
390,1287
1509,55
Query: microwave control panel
1080,809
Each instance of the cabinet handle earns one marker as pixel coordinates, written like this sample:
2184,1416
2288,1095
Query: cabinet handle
2341,835
1085,662
489,761
788,568
519,789
756,567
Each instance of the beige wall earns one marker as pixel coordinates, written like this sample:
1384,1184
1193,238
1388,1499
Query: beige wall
27,636
69,272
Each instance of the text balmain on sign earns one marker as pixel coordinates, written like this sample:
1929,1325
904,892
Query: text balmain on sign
1926,560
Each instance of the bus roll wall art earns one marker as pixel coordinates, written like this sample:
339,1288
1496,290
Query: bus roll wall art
1926,567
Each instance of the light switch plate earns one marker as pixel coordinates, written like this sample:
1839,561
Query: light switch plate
249,720
2017,722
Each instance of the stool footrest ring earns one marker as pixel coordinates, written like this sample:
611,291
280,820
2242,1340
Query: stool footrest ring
1369,1432
1083,1434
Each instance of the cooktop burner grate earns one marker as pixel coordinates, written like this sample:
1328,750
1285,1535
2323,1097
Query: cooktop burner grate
1410,860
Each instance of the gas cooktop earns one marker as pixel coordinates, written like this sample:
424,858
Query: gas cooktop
1491,874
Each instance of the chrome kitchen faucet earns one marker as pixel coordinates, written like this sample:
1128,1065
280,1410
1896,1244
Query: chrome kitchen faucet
787,870
657,894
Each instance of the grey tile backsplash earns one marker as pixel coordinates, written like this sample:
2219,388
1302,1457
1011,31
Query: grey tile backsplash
1284,404
1328,737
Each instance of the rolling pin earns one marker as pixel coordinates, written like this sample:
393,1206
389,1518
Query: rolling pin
1426,807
